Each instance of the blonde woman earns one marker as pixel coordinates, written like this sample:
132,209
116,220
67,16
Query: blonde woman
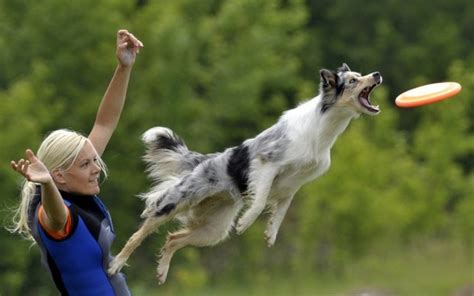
60,209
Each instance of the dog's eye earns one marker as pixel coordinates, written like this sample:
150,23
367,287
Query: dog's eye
353,80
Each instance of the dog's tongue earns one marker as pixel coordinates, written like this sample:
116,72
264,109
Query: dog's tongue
364,100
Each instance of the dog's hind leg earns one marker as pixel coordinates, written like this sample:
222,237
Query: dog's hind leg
150,225
213,222
197,237
174,242
262,183
276,218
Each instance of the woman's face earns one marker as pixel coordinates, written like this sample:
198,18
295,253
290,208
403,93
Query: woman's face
82,177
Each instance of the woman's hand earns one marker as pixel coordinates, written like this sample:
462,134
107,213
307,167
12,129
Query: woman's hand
128,47
32,168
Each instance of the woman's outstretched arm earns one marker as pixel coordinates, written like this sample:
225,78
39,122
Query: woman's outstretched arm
113,101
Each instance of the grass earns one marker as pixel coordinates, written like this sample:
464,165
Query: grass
432,268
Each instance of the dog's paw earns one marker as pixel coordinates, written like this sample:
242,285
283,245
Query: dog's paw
116,265
270,237
270,233
246,220
162,273
241,226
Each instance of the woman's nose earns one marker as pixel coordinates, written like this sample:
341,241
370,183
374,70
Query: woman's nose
96,168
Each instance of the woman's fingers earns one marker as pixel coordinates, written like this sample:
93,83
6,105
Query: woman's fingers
123,45
31,157
20,167
122,34
135,40
126,38
13,165
24,169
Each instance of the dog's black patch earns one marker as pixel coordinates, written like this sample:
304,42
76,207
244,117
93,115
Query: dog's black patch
340,81
212,180
332,86
170,142
238,167
166,209
340,88
328,100
325,106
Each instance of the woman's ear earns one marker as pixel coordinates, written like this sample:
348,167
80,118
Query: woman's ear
58,177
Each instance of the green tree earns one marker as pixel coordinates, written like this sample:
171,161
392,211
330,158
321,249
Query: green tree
218,72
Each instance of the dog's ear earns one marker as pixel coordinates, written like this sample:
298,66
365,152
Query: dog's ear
344,68
328,78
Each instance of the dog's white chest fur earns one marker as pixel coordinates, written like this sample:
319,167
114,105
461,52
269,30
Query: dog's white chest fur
295,174
308,155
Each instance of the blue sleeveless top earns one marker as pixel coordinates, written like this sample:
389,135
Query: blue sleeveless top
78,263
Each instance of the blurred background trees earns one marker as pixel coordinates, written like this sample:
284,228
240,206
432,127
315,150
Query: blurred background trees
218,72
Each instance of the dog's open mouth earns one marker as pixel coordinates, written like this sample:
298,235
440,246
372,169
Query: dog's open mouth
364,99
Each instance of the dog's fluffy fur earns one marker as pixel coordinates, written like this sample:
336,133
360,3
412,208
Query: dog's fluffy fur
207,192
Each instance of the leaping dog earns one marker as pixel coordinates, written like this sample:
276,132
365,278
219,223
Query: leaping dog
207,193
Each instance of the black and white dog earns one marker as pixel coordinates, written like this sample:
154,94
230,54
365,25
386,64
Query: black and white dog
206,193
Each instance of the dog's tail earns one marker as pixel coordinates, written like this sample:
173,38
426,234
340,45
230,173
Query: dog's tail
167,156
168,160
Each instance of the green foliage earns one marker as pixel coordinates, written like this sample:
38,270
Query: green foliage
218,72
206,67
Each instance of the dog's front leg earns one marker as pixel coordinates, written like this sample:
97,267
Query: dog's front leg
276,219
261,185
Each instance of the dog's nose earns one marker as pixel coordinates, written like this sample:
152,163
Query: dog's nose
377,76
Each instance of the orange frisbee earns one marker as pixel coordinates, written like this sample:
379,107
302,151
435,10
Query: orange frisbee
427,94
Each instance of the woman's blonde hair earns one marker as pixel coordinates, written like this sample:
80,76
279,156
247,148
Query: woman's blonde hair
58,150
